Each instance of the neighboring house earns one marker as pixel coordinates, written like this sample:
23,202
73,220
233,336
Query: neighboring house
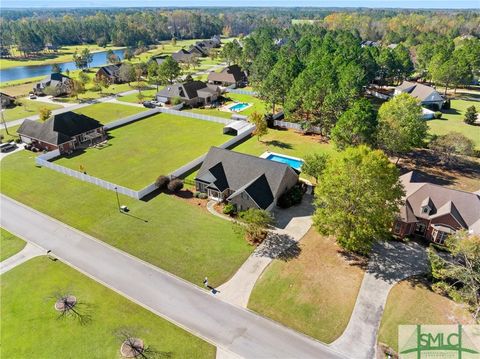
433,212
7,100
159,59
60,83
197,50
192,93
244,180
213,43
182,56
231,75
427,95
110,73
65,132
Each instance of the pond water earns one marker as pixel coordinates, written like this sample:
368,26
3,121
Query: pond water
23,72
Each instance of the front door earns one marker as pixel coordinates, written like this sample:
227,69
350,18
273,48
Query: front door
420,229
215,195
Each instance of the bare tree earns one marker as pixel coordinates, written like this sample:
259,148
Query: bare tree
134,347
68,306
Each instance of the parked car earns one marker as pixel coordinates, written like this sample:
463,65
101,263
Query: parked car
7,146
148,104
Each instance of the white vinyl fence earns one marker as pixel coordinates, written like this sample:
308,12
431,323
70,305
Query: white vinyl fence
132,118
198,116
43,160
241,91
296,126
86,178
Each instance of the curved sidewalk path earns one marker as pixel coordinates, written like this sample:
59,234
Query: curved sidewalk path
390,263
28,252
229,327
292,224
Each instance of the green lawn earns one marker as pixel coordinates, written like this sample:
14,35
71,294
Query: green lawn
180,237
285,142
415,303
9,244
106,112
133,98
139,152
314,293
27,108
452,121
30,328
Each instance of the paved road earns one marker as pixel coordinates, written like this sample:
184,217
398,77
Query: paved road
390,263
229,327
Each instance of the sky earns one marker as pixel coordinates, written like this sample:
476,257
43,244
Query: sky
411,4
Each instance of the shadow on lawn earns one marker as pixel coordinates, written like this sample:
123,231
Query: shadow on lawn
279,246
279,144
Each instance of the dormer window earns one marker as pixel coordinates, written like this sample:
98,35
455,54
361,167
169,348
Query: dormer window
426,210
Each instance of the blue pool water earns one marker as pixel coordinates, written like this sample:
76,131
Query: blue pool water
297,164
238,107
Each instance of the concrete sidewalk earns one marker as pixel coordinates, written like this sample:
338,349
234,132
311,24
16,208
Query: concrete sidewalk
30,251
229,327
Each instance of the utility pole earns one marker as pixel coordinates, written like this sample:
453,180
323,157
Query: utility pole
4,123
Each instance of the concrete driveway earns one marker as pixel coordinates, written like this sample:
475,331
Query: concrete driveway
390,263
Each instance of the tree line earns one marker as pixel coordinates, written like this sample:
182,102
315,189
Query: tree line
31,30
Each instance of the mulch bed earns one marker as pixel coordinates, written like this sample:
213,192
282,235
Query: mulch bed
60,305
132,348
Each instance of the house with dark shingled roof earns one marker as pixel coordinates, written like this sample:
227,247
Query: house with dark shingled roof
434,212
66,132
243,180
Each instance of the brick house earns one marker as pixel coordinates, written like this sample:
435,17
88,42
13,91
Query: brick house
66,132
110,73
244,180
231,75
433,212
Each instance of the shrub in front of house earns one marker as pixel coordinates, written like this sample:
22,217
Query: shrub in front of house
438,114
175,185
175,101
162,182
202,196
292,197
229,209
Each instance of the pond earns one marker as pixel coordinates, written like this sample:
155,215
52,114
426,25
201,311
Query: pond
23,72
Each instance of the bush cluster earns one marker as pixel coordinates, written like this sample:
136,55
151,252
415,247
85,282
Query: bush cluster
175,185
292,197
162,182
230,209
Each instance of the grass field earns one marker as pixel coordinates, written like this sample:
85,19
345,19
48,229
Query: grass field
180,237
133,98
9,244
139,152
27,108
452,121
314,293
27,307
107,112
415,303
211,112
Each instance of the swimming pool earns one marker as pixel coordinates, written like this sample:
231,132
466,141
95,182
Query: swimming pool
292,162
239,107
